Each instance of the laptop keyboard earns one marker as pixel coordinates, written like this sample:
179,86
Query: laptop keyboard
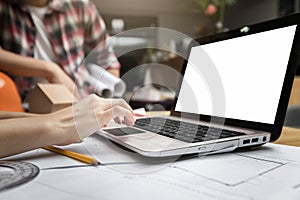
184,131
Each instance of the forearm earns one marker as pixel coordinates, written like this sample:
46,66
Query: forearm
9,115
17,65
23,134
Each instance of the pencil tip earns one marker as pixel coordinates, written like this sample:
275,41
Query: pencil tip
95,162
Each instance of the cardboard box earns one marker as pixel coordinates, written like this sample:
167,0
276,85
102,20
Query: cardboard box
47,98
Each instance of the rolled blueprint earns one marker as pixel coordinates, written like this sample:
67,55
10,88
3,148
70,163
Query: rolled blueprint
99,88
116,85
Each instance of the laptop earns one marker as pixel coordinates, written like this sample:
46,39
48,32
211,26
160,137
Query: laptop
233,93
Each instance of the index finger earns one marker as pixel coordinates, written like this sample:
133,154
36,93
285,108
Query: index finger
116,111
116,102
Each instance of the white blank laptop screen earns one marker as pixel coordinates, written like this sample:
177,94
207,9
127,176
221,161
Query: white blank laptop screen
252,70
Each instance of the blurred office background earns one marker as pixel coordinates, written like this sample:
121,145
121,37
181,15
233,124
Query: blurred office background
184,16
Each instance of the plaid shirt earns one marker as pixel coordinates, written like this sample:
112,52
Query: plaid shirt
74,27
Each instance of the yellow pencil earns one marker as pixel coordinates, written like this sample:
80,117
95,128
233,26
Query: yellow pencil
74,155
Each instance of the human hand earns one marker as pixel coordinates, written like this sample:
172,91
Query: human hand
57,75
86,117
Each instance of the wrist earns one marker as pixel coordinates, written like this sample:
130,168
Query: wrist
46,127
60,131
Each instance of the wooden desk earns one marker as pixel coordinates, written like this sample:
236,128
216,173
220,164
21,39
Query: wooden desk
289,136
295,93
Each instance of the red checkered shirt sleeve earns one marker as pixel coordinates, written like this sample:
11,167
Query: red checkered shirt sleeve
97,41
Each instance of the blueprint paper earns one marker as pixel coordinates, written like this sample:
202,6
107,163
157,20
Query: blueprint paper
100,88
270,172
116,86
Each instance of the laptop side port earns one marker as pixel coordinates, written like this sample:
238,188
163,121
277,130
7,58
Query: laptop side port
247,141
254,140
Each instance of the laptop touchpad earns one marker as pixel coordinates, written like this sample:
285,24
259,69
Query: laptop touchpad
124,131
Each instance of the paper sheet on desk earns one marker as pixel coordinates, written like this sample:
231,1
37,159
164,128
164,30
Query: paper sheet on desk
116,157
104,183
271,172
44,159
102,149
267,173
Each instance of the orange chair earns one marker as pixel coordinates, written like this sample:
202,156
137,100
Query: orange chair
9,97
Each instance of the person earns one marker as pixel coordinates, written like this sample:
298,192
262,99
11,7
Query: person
20,132
58,34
